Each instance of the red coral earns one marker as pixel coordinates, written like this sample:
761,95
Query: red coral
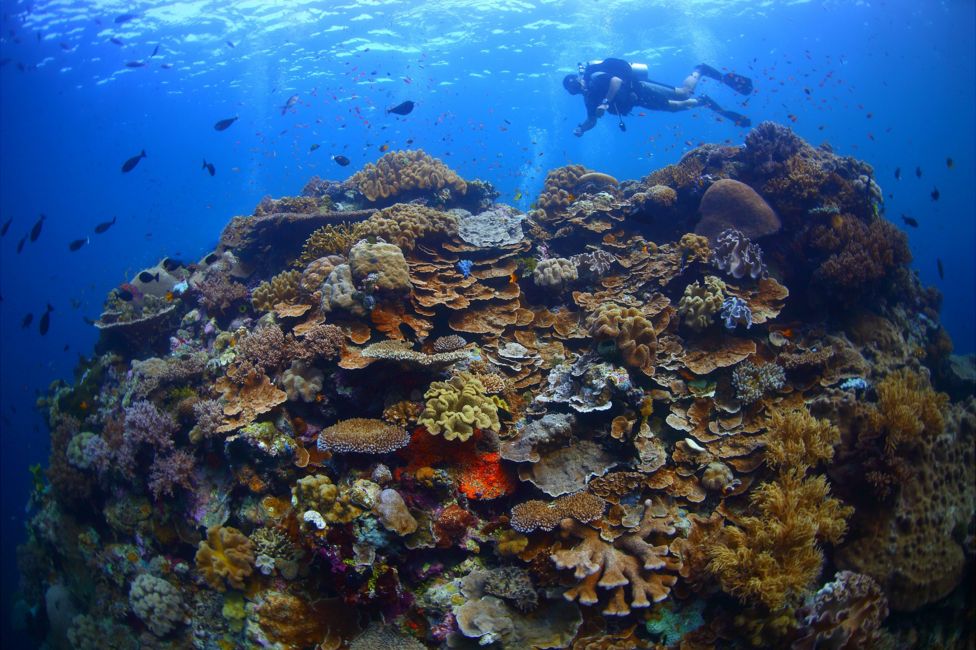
480,475
452,524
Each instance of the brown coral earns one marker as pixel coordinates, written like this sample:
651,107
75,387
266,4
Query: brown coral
282,288
731,204
634,335
796,439
400,172
329,240
558,186
546,515
225,558
405,224
363,436
694,248
244,403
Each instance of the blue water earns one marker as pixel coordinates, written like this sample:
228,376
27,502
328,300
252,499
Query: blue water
887,82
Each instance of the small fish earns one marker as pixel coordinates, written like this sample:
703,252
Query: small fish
131,163
65,46
403,108
169,296
20,244
146,277
223,124
950,163
116,40
105,225
288,104
155,51
77,244
918,172
124,18
938,264
28,319
209,167
314,146
229,44
909,221
124,295
897,173
518,195
6,227
45,323
135,64
935,194
36,230
166,66
384,147
340,160
171,265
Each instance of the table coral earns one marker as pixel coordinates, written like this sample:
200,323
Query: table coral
456,407
364,436
546,515
225,558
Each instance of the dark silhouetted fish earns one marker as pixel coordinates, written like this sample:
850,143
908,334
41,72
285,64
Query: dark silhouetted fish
341,160
314,146
935,194
938,264
20,244
950,163
223,124
918,172
209,167
28,319
6,227
288,104
116,40
171,265
124,18
135,64
131,163
105,225
36,230
77,244
229,44
402,108
146,277
909,221
65,46
897,173
155,51
45,323
165,66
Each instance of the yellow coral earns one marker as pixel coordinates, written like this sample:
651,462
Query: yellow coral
700,303
333,239
694,248
404,224
455,408
796,439
283,287
399,172
909,411
318,493
225,558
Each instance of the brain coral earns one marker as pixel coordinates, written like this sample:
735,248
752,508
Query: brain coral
384,262
404,224
225,558
556,193
456,407
555,273
731,204
699,304
399,172
156,602
364,436
634,335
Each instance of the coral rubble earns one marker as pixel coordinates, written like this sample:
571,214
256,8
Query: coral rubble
391,413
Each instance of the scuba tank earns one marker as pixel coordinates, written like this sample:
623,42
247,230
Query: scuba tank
639,70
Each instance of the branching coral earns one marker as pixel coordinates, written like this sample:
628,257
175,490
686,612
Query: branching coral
226,558
458,406
633,335
330,240
400,172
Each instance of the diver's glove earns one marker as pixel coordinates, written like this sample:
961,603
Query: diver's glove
602,108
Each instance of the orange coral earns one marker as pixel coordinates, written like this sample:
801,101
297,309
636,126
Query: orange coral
247,402
225,558
484,477
633,334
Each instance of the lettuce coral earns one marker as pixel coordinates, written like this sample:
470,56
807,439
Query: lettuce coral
700,303
634,336
458,406
225,558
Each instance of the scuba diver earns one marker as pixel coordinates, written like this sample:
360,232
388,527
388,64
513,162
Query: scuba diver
615,86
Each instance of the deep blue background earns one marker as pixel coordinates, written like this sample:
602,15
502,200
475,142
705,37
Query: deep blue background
888,82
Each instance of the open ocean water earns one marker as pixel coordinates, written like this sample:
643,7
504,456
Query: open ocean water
85,86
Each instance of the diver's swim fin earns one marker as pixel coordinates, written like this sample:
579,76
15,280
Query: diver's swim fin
708,71
736,118
738,83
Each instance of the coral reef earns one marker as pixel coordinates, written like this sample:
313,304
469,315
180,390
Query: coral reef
439,422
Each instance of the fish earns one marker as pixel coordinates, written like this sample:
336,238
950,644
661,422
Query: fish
170,265
935,194
135,64
209,167
518,195
166,66
950,163
229,44
131,163
124,295
146,277
105,225
45,323
28,319
384,147
897,173
910,221
116,40
223,124
288,104
938,265
403,108
77,244
36,230
65,46
20,244
340,160
124,18
155,51
315,145
6,227
918,172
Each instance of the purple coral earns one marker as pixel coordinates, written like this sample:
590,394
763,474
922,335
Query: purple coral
169,471
736,312
144,423
736,255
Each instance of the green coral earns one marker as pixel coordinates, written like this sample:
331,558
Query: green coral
268,438
671,623
456,407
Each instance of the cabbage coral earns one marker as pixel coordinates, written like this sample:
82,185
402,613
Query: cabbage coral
455,408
